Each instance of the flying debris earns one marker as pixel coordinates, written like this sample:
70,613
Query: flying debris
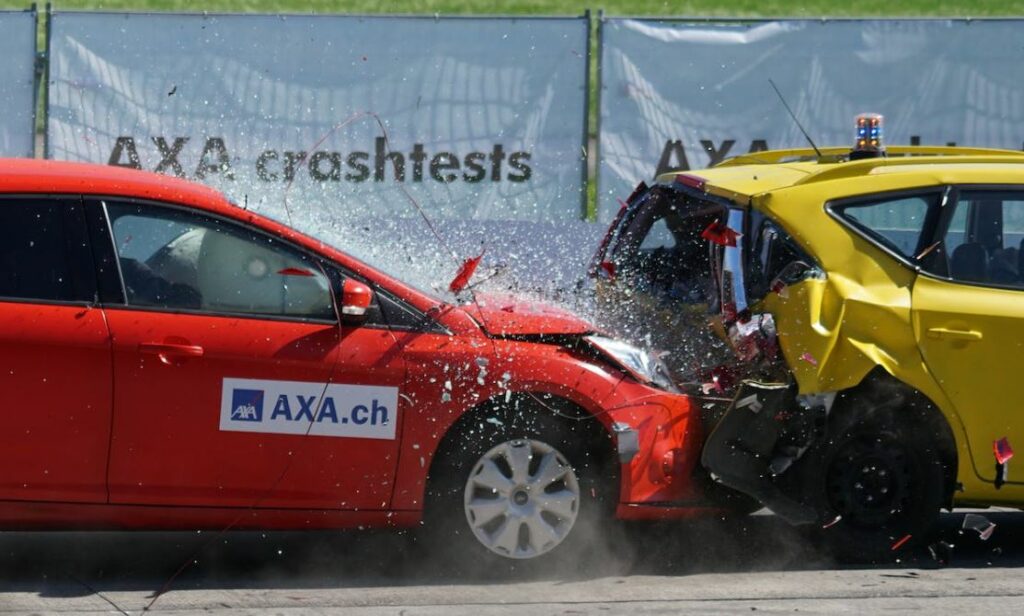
980,524
465,273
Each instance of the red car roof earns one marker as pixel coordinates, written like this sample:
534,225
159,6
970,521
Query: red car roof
27,175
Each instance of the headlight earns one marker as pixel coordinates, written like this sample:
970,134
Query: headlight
643,365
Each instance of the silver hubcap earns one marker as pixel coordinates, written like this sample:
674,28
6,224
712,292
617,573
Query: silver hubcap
522,499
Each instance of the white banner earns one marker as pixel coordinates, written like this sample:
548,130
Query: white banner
684,95
483,121
17,83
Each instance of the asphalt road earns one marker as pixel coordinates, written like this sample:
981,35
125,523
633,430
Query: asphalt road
757,565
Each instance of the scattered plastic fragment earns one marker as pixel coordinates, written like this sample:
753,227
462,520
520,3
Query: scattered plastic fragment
750,402
979,523
754,337
941,552
1002,450
834,521
994,554
807,357
719,233
725,376
609,268
719,378
900,543
464,274
781,289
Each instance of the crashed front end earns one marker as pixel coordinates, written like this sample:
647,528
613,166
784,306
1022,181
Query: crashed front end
552,356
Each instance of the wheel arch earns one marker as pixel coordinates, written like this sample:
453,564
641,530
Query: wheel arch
505,411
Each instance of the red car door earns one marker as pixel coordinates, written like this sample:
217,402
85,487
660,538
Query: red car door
233,383
55,373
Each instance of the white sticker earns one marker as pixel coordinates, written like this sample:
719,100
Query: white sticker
295,407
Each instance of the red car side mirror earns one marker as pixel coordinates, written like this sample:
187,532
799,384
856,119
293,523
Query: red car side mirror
355,299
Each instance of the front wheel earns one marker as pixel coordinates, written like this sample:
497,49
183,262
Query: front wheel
507,494
521,499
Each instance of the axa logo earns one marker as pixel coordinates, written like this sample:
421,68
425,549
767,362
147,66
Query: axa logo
345,410
247,405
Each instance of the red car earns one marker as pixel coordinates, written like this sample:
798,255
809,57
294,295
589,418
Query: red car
169,360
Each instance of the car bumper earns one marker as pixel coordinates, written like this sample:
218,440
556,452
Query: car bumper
658,435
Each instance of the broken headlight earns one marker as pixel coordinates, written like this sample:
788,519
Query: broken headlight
645,366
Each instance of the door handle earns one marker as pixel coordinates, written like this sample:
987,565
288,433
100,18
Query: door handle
168,352
954,334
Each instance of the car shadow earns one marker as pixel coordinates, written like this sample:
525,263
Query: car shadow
67,564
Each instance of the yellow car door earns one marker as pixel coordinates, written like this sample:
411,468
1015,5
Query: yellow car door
968,311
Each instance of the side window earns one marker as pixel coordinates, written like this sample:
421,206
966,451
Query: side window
896,223
179,260
35,260
985,238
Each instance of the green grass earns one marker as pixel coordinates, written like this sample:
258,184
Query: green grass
735,8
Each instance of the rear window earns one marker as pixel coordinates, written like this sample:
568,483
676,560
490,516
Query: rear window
895,222
34,262
659,248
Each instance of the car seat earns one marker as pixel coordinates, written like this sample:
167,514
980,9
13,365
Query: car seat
1002,266
969,262
176,262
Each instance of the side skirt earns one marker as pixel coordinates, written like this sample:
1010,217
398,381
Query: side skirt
21,515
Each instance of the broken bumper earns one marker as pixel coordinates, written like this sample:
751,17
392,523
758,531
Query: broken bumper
764,430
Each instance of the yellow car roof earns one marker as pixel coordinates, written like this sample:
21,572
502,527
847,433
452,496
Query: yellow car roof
745,176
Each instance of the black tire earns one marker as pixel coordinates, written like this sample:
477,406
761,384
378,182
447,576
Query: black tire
583,445
879,485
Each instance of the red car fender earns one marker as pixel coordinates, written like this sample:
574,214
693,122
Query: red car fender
667,427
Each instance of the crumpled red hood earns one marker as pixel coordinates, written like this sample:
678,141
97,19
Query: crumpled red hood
512,316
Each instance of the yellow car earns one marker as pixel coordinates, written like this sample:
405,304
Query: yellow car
869,311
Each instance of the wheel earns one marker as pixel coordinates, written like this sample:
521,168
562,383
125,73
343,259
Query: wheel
879,487
521,499
511,493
